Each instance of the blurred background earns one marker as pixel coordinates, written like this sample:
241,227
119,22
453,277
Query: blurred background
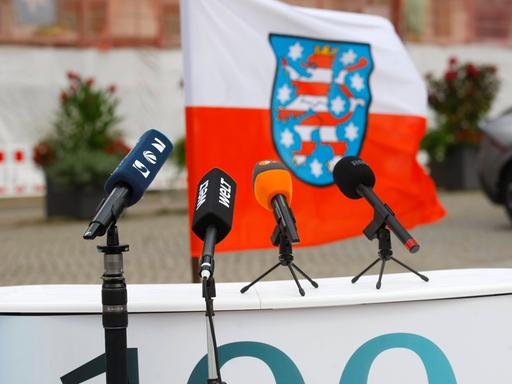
116,65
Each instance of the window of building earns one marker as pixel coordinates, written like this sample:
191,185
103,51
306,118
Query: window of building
493,20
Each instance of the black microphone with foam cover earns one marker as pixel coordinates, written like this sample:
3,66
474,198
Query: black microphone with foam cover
355,179
272,186
213,214
127,184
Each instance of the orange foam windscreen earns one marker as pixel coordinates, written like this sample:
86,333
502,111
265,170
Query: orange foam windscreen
271,178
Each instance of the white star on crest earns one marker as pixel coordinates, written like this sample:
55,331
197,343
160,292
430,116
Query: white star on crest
351,132
338,105
33,5
348,57
295,51
357,82
316,168
287,138
331,163
283,94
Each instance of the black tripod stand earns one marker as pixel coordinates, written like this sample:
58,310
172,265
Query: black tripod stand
285,259
115,312
378,229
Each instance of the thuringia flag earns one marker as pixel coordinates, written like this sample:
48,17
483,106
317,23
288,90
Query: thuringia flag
320,103
266,80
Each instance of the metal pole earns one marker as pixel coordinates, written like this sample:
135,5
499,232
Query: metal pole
115,312
396,15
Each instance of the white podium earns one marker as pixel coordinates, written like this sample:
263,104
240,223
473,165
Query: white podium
454,329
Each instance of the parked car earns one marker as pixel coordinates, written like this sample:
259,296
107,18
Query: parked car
495,160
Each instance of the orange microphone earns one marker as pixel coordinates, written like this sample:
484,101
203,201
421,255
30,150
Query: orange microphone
272,185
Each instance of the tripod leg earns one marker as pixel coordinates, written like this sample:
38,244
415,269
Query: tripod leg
379,282
422,277
313,283
244,289
301,291
366,270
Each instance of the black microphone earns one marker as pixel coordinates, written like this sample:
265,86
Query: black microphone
272,185
213,215
355,179
130,179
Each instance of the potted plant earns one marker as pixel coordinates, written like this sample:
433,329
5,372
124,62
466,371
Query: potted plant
459,99
83,149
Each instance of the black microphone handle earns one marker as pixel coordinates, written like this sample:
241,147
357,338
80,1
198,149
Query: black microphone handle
393,223
284,215
108,213
207,260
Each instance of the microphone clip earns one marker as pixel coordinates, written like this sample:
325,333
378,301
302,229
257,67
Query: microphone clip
379,221
209,292
285,221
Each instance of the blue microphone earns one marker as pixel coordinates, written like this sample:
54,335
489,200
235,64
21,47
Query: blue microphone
130,179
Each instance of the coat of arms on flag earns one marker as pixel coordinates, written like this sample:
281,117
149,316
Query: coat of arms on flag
320,103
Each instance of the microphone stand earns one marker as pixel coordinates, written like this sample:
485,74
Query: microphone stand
377,229
209,293
285,259
115,312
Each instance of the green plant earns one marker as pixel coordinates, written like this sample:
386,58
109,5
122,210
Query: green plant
85,145
178,156
460,99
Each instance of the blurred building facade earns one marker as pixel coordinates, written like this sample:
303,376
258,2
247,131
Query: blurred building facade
32,71
155,23
86,23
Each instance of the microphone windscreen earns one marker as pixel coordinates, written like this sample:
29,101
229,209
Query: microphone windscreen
140,166
349,173
214,204
271,178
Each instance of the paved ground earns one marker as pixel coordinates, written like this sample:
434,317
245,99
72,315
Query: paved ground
34,251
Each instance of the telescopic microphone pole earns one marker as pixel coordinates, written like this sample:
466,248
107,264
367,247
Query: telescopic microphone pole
114,298
212,221
125,186
208,283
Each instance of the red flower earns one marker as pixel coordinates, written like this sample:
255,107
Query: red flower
450,75
467,136
73,75
42,154
112,88
72,88
90,82
472,70
118,146
452,61
63,96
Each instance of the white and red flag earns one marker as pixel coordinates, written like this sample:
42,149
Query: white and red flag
267,80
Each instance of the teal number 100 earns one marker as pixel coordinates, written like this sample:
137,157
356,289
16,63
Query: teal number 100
284,370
